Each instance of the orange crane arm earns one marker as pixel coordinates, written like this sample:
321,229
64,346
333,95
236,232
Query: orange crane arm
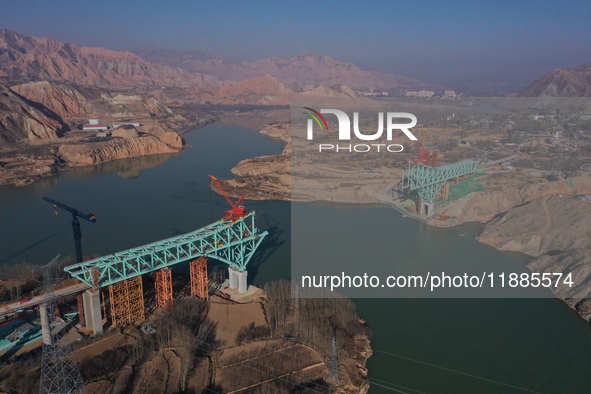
222,191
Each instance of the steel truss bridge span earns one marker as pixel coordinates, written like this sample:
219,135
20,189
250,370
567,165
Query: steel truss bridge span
230,241
427,181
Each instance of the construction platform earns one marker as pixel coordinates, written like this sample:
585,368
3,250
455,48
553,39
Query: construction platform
252,294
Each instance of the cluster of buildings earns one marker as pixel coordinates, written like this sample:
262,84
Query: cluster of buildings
96,125
403,92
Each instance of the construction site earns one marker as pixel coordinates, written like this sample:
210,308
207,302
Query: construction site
430,182
163,304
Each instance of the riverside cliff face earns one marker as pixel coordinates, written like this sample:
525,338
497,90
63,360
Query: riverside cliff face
271,174
546,224
577,263
101,152
556,230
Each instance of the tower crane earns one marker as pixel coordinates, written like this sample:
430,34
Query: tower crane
424,156
238,209
75,223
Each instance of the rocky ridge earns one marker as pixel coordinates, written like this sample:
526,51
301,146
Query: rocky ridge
555,229
562,83
304,71
21,119
127,143
27,58
546,224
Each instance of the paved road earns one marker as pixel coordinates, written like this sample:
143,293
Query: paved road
7,308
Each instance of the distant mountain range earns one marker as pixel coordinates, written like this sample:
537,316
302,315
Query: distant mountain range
26,58
562,83
202,77
300,72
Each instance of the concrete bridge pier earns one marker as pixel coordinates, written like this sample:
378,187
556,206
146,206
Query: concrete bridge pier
238,279
91,300
45,324
427,208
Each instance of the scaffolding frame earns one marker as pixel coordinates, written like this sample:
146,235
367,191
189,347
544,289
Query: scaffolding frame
443,193
163,288
199,279
127,301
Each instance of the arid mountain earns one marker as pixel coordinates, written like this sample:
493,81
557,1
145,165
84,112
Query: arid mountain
80,103
61,99
26,58
21,119
562,83
192,61
303,71
267,90
188,77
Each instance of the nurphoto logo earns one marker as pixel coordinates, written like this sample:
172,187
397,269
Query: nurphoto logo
344,130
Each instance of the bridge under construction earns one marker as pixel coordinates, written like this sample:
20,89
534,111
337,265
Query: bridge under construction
230,241
429,181
233,240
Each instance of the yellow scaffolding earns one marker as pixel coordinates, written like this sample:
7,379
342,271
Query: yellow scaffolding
444,192
163,288
127,301
199,280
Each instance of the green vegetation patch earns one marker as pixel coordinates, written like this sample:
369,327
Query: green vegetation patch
466,186
570,183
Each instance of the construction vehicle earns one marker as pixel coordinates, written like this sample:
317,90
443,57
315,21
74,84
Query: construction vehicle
75,223
238,209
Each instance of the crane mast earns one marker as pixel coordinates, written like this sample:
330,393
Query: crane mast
75,223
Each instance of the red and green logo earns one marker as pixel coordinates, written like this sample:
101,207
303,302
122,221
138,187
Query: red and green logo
317,116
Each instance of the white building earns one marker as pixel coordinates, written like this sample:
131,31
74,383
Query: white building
119,124
420,93
95,127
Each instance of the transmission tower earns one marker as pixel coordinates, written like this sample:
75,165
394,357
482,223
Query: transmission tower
333,363
59,370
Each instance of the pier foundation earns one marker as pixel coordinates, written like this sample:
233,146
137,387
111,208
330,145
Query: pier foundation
91,301
238,280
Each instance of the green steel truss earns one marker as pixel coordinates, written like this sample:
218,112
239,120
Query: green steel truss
427,181
233,243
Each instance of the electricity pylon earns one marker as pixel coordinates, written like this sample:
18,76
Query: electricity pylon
59,370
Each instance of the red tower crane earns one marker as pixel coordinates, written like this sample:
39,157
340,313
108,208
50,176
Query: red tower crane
238,209
424,156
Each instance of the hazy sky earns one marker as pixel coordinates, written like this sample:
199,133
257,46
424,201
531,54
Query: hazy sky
459,43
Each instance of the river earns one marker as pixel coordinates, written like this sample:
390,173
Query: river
420,346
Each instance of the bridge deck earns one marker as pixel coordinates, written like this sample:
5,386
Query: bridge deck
233,243
427,181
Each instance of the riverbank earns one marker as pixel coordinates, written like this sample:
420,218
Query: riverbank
246,343
502,198
524,337
27,164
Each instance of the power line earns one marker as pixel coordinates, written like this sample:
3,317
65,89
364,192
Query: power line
257,363
457,372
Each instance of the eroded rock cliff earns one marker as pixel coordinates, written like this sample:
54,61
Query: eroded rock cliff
75,155
549,223
21,119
